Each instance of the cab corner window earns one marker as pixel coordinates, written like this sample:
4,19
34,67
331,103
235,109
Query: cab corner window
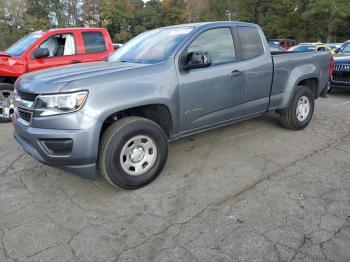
218,43
250,42
94,42
60,45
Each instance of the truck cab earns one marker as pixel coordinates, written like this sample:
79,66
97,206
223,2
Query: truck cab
46,49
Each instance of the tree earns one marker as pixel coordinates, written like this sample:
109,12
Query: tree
50,11
303,20
115,16
329,15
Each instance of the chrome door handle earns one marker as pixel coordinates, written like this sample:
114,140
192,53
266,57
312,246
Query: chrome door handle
236,73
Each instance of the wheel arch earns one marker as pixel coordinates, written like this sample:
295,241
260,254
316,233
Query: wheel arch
7,80
312,83
159,113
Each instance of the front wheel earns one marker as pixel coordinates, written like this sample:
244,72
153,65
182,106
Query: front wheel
300,111
133,152
6,106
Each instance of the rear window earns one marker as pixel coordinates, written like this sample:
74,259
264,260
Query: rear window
251,44
94,42
304,48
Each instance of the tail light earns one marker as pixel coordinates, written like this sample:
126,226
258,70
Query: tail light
331,66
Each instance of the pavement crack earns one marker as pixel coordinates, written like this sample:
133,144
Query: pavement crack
3,247
11,164
25,186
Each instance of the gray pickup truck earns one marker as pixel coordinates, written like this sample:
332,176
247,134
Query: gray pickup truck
117,116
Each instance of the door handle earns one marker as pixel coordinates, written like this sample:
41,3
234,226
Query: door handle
75,62
235,73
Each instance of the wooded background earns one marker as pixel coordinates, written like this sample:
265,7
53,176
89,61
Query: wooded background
303,20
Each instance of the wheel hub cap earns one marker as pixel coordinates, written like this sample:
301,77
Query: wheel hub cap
6,103
138,155
303,108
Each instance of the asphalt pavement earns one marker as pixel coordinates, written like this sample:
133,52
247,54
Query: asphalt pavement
253,191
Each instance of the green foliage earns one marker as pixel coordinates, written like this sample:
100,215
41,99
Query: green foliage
303,20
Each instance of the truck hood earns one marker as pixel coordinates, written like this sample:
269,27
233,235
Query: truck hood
54,79
4,54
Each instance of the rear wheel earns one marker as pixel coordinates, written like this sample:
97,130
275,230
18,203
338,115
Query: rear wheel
133,152
300,111
6,106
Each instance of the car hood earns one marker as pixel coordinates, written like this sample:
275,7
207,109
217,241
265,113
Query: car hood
54,79
342,58
4,54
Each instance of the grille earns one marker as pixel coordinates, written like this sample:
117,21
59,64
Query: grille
25,115
27,96
342,68
341,77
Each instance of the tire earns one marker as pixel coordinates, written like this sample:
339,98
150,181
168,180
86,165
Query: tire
6,91
294,119
148,148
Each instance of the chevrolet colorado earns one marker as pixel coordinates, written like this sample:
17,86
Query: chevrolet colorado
117,116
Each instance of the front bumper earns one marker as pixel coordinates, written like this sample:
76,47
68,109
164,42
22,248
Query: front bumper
82,156
340,85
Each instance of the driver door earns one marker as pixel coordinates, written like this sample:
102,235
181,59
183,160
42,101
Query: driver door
62,51
215,94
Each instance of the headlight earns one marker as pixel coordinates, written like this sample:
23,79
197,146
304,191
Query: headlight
49,105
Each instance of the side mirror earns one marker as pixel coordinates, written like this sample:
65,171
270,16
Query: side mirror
197,59
41,53
337,50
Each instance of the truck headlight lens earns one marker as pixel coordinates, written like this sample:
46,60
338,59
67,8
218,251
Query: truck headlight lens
49,105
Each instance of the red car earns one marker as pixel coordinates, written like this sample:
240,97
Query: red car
45,49
284,43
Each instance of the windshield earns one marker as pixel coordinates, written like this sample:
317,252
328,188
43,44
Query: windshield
21,45
304,48
151,47
346,48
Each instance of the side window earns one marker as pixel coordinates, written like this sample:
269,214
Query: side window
218,43
60,45
94,42
250,40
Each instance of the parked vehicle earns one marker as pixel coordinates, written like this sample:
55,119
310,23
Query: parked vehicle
311,47
276,48
341,73
116,46
334,46
162,85
45,49
342,47
284,43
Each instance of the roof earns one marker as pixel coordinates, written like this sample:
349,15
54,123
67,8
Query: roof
218,23
71,29
312,43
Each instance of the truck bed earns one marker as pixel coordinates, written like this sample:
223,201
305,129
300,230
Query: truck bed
292,67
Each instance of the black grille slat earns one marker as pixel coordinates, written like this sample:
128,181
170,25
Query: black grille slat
341,77
25,115
341,73
27,96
